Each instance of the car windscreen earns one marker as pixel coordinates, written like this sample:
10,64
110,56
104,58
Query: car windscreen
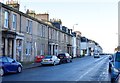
3,59
47,57
59,55
117,57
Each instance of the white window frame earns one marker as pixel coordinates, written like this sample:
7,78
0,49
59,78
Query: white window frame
29,26
6,19
28,48
14,21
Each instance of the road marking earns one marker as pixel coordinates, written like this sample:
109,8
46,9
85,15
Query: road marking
90,70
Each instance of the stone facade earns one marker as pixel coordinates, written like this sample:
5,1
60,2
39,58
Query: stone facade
24,37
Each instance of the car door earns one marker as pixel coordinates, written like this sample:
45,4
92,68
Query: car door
54,59
117,60
6,64
12,64
57,60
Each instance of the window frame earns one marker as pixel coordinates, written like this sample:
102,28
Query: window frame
6,19
14,21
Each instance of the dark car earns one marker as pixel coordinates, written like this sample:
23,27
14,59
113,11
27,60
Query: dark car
64,57
9,65
97,55
114,65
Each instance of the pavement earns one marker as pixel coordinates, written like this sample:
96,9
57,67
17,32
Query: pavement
31,65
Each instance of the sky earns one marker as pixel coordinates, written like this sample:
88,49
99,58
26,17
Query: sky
96,19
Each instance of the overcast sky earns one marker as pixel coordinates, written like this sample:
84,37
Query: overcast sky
96,19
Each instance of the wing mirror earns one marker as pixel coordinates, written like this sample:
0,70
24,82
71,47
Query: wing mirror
110,58
13,61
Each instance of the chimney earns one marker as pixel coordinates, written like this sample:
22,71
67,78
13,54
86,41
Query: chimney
31,13
43,17
13,4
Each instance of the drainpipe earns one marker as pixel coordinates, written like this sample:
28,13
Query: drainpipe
0,29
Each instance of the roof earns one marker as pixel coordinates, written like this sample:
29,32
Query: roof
28,16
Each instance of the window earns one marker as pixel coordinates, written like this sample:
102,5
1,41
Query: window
42,49
14,21
43,31
10,60
28,48
6,19
29,27
48,57
117,57
3,59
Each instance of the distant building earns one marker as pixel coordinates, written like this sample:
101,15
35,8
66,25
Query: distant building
78,41
84,46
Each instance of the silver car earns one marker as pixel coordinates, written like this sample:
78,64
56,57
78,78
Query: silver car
50,59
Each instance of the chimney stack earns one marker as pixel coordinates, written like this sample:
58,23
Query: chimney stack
13,4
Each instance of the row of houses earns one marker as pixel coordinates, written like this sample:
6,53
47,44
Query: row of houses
26,35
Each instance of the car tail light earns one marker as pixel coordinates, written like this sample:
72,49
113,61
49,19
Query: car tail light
66,57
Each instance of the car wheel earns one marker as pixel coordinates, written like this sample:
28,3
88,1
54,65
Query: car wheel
59,63
109,70
19,69
70,60
67,61
54,63
2,72
112,80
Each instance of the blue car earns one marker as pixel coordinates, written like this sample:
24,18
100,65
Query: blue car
9,65
114,66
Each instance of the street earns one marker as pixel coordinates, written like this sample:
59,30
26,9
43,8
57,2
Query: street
81,69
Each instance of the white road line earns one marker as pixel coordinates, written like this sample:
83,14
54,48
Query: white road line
89,70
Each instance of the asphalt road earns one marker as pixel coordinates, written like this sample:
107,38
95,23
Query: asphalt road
81,69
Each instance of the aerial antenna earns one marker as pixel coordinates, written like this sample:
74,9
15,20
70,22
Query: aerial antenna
25,8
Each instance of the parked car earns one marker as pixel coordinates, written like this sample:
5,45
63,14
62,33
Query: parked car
114,65
9,65
50,59
110,62
64,57
118,79
97,55
39,58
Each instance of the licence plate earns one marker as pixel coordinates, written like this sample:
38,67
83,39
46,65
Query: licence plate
45,61
61,57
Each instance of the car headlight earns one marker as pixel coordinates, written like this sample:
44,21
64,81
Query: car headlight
115,71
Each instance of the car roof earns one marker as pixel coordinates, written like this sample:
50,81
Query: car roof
3,56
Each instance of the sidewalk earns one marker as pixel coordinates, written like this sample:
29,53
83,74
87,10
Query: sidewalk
31,65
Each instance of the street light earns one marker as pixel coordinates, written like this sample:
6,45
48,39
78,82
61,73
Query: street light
74,25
